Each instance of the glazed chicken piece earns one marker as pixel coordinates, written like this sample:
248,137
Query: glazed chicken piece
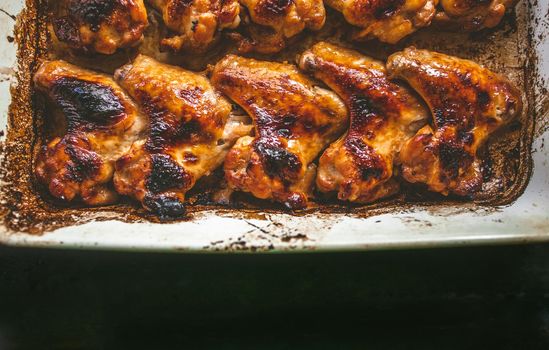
101,26
359,166
276,21
472,15
294,121
386,20
99,123
190,132
196,22
468,103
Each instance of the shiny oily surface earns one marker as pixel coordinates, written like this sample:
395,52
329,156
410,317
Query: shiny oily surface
399,222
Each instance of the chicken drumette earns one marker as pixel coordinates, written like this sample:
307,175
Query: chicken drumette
276,21
196,22
294,121
101,26
468,103
472,15
386,20
190,132
359,166
98,123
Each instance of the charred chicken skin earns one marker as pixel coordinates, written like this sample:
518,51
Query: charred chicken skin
386,20
276,21
468,103
100,123
101,26
359,166
472,15
189,134
294,121
196,22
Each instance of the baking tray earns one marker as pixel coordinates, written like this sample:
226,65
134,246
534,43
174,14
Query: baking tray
524,219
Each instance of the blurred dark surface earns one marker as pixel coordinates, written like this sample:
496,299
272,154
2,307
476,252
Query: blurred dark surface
460,298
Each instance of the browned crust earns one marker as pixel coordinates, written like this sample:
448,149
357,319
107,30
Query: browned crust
27,207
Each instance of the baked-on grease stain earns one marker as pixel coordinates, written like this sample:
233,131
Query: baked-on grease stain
29,208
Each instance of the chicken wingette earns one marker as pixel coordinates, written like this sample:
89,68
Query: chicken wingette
384,115
101,26
196,23
96,123
294,122
189,133
468,103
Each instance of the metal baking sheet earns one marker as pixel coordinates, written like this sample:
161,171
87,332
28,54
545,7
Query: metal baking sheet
525,219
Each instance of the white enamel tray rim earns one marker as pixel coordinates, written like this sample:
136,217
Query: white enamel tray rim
526,220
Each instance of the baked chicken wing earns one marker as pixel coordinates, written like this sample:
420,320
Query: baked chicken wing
472,15
468,103
294,121
99,123
101,26
276,21
188,136
386,20
196,22
359,166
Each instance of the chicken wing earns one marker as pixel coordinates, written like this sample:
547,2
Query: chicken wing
387,20
101,26
472,15
100,123
359,166
189,134
196,22
468,103
294,121
276,21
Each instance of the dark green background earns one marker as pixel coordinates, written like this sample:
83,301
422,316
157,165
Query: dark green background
461,298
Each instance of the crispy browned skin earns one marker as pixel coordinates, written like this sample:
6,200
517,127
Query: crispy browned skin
101,26
189,134
359,166
468,103
294,121
101,124
196,22
275,21
387,20
472,15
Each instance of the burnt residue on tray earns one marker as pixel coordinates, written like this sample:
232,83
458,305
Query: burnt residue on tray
27,207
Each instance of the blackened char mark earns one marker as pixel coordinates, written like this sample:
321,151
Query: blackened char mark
361,108
272,8
453,157
92,12
483,99
370,104
296,201
84,163
191,95
385,8
166,174
277,161
67,32
457,100
178,8
370,164
189,130
167,208
86,104
365,117
270,122
166,128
